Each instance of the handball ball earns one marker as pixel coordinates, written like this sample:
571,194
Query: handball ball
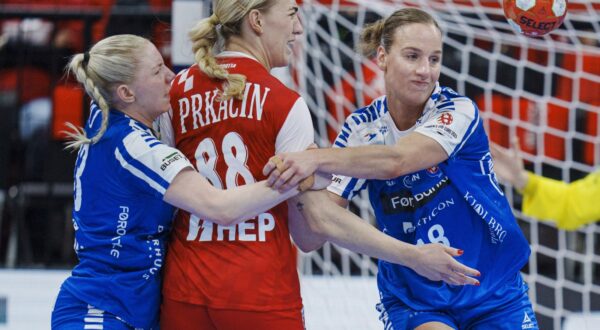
535,18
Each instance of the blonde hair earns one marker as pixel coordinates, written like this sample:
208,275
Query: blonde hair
225,22
110,62
381,33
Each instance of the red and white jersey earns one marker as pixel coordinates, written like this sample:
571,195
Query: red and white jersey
251,265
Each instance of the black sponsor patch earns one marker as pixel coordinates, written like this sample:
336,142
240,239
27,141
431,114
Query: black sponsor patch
406,201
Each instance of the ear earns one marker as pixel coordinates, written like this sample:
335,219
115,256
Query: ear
381,58
255,21
125,94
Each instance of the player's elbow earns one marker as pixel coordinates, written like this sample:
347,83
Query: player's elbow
308,247
318,227
228,216
311,239
317,224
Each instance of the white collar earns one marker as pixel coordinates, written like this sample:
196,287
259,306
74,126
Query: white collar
230,53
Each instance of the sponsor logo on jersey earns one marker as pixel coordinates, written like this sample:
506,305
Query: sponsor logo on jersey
228,65
497,231
155,251
253,230
120,231
170,159
336,179
410,180
527,322
383,129
370,136
443,130
406,201
445,118
433,171
409,227
487,168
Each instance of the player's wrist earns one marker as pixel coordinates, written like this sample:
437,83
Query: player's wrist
521,180
410,257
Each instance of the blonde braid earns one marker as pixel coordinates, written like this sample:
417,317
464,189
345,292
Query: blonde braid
77,134
204,37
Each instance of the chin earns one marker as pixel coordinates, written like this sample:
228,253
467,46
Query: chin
281,62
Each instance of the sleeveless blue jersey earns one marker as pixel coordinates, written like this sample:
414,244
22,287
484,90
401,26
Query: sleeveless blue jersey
121,221
457,203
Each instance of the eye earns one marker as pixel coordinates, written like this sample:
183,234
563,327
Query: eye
435,60
412,56
294,11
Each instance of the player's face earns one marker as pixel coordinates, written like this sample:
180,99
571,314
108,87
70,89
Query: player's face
152,82
412,65
281,26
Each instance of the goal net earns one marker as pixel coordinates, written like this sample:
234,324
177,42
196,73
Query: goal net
544,90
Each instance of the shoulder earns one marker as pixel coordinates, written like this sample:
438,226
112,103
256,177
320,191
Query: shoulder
366,125
128,136
257,74
277,87
184,80
261,86
449,100
368,115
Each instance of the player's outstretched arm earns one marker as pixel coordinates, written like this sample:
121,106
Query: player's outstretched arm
566,203
340,226
190,191
411,153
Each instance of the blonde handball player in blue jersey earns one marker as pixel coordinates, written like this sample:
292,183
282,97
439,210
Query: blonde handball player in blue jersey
423,155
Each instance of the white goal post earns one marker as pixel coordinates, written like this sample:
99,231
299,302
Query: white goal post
544,90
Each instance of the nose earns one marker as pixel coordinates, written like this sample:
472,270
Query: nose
170,75
298,28
423,67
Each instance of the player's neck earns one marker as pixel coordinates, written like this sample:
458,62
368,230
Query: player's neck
404,116
139,114
236,44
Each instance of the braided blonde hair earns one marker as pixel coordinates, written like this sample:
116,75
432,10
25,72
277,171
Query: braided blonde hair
110,62
226,20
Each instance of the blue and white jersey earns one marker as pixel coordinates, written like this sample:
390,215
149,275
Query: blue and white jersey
456,203
121,221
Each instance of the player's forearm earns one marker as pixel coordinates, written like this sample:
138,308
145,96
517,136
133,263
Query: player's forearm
366,162
244,202
190,192
410,153
342,227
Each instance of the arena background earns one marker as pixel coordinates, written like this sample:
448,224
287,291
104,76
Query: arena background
544,90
